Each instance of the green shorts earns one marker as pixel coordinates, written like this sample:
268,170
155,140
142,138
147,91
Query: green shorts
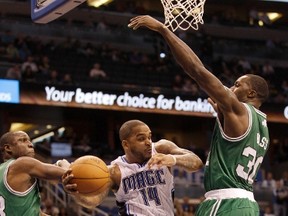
228,207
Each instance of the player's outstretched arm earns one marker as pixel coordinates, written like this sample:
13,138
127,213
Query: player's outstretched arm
169,154
187,59
24,166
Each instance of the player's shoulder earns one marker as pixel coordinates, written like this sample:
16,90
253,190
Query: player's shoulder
24,162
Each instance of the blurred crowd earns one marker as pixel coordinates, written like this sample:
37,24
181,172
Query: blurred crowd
72,62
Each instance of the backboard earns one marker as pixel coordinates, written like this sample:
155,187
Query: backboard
45,11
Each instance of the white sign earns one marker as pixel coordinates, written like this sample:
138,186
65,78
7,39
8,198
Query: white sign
127,100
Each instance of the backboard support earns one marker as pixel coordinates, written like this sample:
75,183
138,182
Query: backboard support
45,11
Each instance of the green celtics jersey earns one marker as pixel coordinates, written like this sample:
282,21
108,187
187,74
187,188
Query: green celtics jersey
234,162
14,203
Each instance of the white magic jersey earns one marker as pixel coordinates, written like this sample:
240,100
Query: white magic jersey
144,191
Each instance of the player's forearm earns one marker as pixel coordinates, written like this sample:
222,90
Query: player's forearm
84,201
90,202
190,162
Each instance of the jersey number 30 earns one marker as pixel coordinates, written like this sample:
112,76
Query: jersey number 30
248,173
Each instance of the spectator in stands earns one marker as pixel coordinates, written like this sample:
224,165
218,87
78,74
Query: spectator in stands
14,72
187,207
142,158
30,63
44,66
19,173
269,182
97,73
12,52
49,208
244,66
267,70
7,38
178,207
268,211
177,84
82,147
56,137
181,178
28,75
53,77
253,17
280,195
67,79
190,86
102,26
63,211
284,179
284,87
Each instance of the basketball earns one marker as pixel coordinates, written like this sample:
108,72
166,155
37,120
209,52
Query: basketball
91,175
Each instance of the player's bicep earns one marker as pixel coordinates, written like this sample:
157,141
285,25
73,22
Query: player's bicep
115,176
168,147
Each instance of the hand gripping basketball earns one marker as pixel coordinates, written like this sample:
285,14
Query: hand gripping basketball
90,176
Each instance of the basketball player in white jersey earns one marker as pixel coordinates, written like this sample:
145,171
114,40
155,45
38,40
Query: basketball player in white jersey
141,179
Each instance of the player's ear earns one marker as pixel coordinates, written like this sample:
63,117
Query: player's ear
252,94
124,144
7,148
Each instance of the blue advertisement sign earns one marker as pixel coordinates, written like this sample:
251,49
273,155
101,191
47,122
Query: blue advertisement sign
9,91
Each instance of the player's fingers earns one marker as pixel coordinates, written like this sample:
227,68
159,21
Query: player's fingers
71,188
67,178
154,161
134,25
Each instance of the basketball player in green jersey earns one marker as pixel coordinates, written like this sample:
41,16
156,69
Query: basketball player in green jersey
19,194
240,138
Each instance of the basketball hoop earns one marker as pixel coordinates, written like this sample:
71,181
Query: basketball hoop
183,14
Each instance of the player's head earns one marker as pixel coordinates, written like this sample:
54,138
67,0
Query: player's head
136,141
250,87
15,144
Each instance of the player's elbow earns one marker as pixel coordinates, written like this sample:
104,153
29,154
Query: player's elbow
197,164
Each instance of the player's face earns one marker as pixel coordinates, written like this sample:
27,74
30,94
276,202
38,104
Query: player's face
241,88
22,145
139,144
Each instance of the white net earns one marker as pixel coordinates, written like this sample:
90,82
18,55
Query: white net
183,14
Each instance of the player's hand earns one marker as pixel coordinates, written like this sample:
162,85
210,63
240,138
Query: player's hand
68,187
145,21
161,160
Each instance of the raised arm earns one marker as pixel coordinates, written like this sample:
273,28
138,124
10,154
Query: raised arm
185,57
223,99
169,154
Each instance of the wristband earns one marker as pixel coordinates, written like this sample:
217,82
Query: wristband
58,163
174,158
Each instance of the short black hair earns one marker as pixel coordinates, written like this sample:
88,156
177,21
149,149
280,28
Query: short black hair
127,127
260,85
6,138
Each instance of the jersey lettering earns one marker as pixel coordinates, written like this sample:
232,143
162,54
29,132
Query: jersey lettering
249,171
143,179
262,142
